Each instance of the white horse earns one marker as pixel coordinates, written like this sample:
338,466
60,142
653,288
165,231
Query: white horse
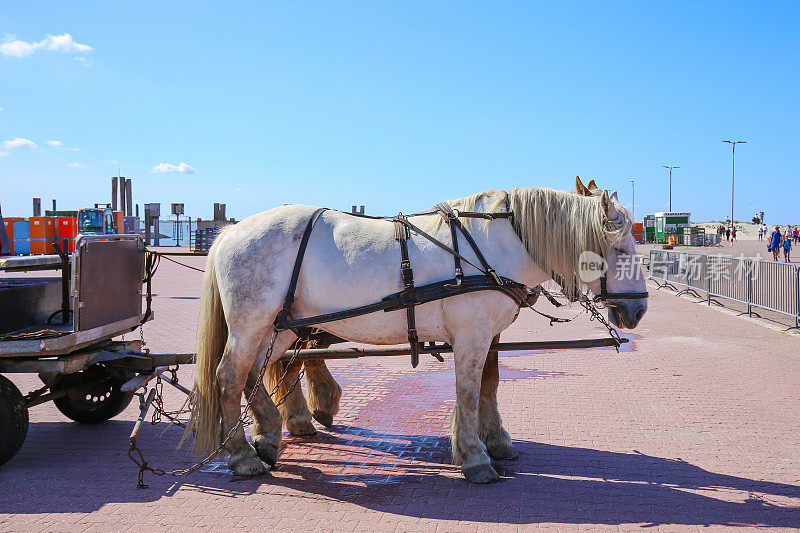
354,261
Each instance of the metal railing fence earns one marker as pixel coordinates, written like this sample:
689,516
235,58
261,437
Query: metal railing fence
769,285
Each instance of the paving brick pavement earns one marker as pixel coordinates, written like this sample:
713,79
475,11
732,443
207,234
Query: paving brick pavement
693,426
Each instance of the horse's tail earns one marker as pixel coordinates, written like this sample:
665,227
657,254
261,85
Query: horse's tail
212,334
277,385
272,381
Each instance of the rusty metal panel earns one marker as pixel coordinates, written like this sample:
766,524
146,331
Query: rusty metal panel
109,282
28,302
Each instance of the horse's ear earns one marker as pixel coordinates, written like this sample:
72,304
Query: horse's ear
592,185
614,197
608,206
580,188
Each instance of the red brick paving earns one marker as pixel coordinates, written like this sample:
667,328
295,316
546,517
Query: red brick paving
693,427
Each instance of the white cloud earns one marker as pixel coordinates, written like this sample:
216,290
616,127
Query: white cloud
64,43
19,143
76,165
182,168
83,61
3,154
58,145
17,48
54,43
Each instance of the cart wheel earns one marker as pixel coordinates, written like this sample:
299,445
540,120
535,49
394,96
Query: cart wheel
13,419
99,399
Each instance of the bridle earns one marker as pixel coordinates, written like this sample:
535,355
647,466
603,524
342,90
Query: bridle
604,295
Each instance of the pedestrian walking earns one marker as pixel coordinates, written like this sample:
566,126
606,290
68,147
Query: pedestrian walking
760,233
727,234
733,235
787,248
796,234
775,243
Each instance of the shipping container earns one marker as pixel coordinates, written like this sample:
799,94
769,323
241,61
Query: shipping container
42,228
637,232
22,229
22,246
119,221
40,246
67,228
8,225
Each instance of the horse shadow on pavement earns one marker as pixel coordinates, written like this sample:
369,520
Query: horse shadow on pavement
67,469
547,483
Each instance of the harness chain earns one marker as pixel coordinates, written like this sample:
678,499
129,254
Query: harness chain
142,463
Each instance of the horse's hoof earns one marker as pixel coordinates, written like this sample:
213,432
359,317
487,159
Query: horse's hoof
266,451
249,466
326,419
300,428
480,474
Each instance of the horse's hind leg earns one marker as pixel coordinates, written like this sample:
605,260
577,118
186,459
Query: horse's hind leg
468,450
267,421
323,392
242,351
289,395
490,425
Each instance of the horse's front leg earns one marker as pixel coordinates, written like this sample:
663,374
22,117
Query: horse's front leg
490,425
323,392
467,448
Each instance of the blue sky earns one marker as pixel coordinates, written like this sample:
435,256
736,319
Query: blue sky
399,105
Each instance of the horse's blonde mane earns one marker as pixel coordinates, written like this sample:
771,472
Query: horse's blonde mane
557,226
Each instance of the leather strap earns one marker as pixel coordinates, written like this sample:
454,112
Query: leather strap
423,294
443,246
604,295
409,292
435,210
448,214
283,314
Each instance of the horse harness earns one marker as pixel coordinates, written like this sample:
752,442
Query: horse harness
412,295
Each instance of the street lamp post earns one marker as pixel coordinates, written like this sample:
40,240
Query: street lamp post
670,184
733,169
633,200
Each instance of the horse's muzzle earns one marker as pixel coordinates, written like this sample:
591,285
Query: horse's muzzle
627,314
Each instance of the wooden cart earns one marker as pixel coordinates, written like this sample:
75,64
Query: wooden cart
62,328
